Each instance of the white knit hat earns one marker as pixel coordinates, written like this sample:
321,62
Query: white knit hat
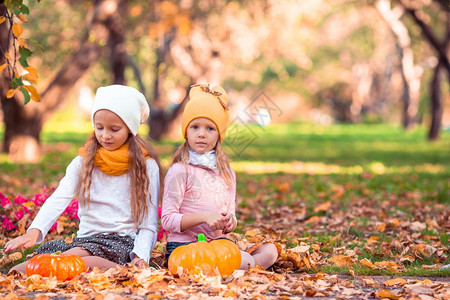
126,102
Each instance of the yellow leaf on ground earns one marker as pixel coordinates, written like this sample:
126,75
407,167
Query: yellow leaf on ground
338,236
314,219
387,294
388,265
368,281
367,263
395,281
2,19
351,271
69,239
381,227
394,222
323,207
17,29
408,258
22,223
373,240
250,233
15,256
342,260
432,267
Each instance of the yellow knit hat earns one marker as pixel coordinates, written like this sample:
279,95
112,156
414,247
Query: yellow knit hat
207,103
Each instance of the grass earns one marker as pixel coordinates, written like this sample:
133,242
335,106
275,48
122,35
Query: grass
369,173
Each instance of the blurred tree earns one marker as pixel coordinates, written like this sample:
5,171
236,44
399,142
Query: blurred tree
411,73
23,124
440,15
339,50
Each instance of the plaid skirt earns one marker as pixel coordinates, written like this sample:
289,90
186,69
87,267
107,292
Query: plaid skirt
112,247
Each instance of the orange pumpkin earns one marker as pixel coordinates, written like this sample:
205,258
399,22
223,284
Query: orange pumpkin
62,266
222,253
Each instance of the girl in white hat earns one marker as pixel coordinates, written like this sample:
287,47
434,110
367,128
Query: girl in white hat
117,180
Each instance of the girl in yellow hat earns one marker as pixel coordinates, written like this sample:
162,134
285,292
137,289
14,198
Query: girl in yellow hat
200,186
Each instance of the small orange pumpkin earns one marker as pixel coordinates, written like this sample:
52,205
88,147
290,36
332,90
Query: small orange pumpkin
222,253
62,266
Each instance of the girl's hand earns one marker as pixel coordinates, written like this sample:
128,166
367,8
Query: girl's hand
228,219
137,261
26,241
214,220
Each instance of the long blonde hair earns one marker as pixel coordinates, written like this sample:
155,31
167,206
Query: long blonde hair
139,178
222,161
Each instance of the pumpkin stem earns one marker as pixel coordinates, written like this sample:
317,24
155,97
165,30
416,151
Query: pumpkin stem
56,253
201,237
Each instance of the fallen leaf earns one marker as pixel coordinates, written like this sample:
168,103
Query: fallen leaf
367,263
15,256
323,207
381,227
341,260
395,281
387,294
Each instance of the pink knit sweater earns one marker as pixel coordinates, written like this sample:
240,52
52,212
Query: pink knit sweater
189,189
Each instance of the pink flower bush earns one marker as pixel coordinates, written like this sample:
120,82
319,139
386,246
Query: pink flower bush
161,232
11,212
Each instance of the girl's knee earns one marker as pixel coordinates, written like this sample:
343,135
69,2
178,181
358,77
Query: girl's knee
247,261
266,255
22,267
271,251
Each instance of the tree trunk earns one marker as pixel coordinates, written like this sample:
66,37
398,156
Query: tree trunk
14,113
118,55
436,106
23,124
160,119
411,74
441,48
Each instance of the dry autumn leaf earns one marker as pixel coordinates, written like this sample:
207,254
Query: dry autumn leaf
395,281
15,256
2,67
367,263
387,294
23,18
341,260
17,29
323,207
33,92
10,93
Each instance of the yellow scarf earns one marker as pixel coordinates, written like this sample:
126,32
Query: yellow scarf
114,162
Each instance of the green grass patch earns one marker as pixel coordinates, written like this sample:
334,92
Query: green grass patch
371,174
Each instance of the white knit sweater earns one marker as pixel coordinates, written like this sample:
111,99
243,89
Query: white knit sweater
109,210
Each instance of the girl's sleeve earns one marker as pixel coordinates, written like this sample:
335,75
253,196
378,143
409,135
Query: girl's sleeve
174,190
55,205
147,231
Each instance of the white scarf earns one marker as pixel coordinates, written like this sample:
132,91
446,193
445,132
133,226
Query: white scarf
207,159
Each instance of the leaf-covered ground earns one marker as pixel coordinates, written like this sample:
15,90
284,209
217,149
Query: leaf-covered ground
356,212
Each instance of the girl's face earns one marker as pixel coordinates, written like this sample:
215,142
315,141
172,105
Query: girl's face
202,135
111,132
